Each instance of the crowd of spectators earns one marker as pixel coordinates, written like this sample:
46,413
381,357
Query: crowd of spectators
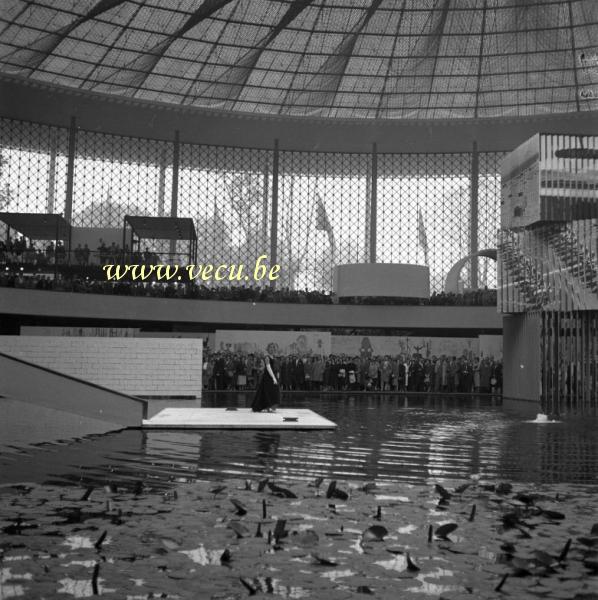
240,371
24,264
482,297
18,252
75,280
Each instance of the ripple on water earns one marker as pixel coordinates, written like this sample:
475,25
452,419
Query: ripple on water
377,439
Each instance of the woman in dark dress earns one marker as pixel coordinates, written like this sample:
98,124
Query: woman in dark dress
267,394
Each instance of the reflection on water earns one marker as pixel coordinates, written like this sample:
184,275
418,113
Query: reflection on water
378,438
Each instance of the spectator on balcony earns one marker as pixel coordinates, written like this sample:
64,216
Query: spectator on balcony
351,367
29,253
402,377
78,252
298,374
428,369
19,247
207,372
220,372
114,253
485,375
50,252
465,376
438,374
253,366
374,374
60,253
496,378
240,371
286,373
318,373
309,373
453,375
341,375
417,374
102,251
385,374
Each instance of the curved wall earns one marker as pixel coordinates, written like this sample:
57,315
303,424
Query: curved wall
46,103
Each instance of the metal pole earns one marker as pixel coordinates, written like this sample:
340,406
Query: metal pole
374,203
70,173
368,210
124,239
265,195
174,205
55,253
161,182
473,231
69,250
274,212
52,172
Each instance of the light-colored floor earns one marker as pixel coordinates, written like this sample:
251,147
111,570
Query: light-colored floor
239,418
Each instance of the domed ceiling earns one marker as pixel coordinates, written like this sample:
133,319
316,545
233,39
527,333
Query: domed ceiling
365,59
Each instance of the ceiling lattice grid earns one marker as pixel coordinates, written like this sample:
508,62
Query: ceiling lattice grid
390,59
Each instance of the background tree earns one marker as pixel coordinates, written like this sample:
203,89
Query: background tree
295,230
6,195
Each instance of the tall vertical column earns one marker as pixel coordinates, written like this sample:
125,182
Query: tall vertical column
52,171
274,209
70,171
265,205
368,210
374,204
473,229
174,204
162,183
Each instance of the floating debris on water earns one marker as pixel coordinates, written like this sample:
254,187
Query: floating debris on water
229,539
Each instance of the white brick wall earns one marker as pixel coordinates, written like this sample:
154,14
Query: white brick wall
137,366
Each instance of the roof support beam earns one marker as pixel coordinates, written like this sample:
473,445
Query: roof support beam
138,70
326,82
33,56
480,60
382,97
438,34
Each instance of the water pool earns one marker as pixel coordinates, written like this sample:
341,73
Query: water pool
400,439
144,514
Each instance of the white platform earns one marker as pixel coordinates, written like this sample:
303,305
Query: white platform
241,418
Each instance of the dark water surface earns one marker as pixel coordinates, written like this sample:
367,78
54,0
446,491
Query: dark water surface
383,438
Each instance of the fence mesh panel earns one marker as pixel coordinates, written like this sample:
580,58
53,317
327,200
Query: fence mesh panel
423,200
116,176
322,216
226,192
488,213
424,212
33,168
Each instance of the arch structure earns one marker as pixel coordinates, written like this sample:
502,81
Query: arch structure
451,283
